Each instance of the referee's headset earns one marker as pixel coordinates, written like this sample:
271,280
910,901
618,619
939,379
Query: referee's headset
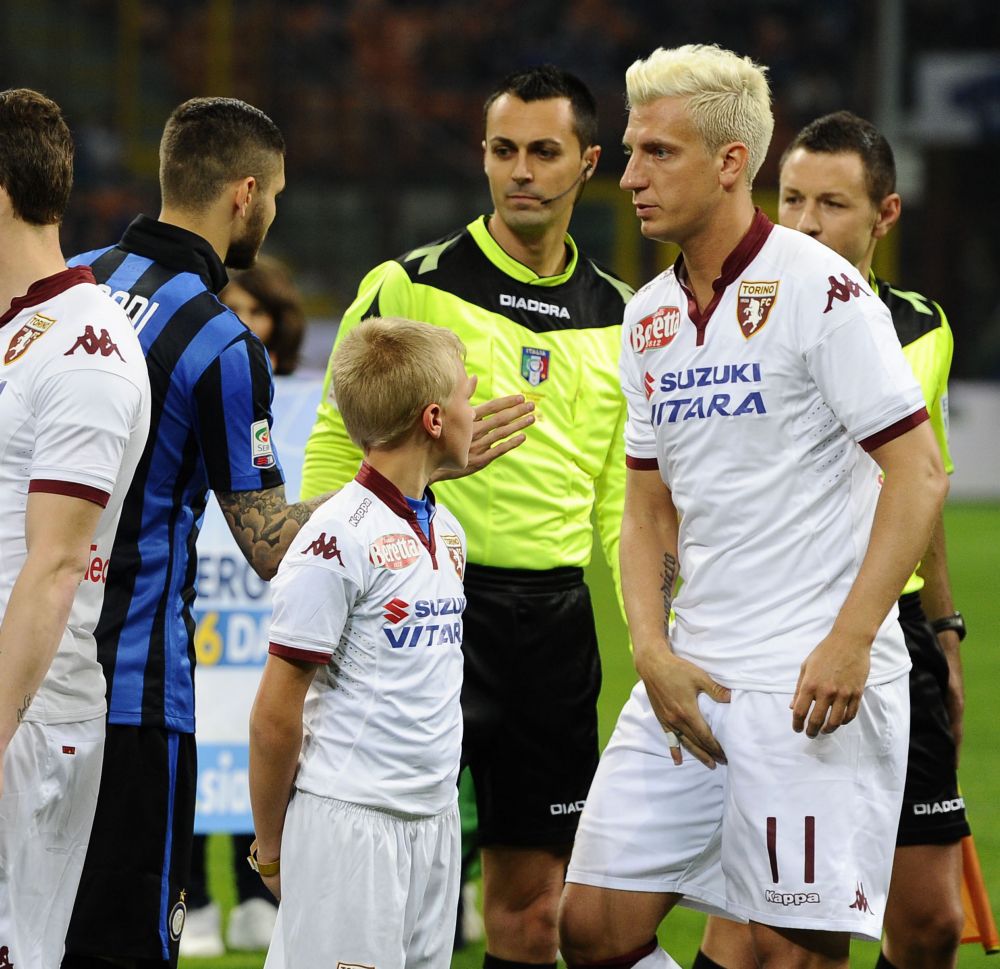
582,177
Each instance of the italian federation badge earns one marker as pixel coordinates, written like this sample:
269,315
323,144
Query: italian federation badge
754,304
535,365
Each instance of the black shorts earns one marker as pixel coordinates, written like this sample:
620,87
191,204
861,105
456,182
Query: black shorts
130,902
933,811
532,677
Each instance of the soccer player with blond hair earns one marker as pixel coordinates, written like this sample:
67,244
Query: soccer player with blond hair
776,440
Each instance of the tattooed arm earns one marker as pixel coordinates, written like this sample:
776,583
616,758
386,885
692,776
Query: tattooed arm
264,524
58,530
650,568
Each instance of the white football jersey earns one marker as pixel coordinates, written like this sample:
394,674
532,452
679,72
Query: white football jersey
758,415
363,592
74,414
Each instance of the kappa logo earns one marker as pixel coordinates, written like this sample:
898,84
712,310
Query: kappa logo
36,327
396,610
91,343
655,331
791,898
325,547
5,962
534,306
454,545
754,304
860,900
260,438
360,512
394,551
842,289
648,384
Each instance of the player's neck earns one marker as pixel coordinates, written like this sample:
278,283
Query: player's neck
28,253
409,469
544,254
707,250
213,230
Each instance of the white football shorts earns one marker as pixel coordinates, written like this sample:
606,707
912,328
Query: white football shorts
794,832
51,776
366,888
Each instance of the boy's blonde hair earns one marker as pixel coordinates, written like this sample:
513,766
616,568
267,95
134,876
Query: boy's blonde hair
386,371
728,97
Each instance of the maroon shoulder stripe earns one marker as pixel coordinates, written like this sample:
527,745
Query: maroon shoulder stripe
71,489
893,431
294,652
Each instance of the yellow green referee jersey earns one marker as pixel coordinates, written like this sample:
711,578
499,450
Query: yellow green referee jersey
928,344
554,339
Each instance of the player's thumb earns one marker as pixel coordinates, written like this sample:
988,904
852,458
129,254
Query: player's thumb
717,691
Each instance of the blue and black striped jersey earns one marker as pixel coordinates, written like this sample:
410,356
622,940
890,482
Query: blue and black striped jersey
209,429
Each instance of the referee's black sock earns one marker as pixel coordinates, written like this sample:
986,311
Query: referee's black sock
883,963
495,962
625,961
701,961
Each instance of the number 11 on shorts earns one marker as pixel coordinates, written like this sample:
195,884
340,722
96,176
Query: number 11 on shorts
809,835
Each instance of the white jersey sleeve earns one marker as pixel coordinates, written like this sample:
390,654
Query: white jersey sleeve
318,584
78,450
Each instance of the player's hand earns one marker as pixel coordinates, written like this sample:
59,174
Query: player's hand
494,433
673,685
831,681
955,700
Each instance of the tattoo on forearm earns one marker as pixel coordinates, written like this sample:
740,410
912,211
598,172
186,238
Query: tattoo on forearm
264,523
670,569
28,697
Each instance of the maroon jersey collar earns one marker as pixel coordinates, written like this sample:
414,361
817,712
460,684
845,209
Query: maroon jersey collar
44,289
396,501
745,252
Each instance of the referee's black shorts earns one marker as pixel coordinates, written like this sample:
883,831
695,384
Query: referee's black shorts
130,903
529,701
933,811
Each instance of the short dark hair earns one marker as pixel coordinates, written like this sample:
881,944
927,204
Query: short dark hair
547,81
208,143
36,156
842,131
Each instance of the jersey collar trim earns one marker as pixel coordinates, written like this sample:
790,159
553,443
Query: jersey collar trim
175,248
47,288
509,265
745,252
396,502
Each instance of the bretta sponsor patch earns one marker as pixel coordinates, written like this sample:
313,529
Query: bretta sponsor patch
754,304
36,327
260,443
394,551
656,330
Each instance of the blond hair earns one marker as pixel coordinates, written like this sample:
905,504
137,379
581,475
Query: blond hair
728,97
386,371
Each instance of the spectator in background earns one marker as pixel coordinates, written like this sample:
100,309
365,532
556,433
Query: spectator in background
267,301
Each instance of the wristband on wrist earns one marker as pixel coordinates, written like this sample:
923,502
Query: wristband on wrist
954,623
263,868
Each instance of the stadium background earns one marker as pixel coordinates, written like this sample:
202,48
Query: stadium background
380,103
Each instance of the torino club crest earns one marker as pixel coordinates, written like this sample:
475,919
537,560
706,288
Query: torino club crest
754,304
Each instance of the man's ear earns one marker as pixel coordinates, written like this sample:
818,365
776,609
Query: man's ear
243,195
889,211
733,161
432,420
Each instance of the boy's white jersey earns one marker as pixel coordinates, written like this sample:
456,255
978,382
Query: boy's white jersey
758,415
74,415
363,592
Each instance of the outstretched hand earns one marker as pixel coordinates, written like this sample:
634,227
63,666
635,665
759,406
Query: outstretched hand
496,432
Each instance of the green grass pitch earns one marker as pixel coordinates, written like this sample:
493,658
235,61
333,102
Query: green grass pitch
974,553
